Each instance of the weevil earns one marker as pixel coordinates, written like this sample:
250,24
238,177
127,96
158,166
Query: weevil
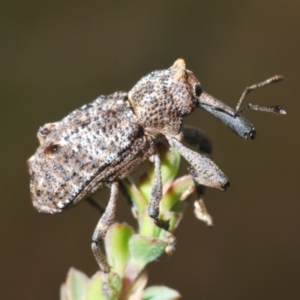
106,140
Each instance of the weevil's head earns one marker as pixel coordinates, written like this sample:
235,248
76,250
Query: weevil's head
163,97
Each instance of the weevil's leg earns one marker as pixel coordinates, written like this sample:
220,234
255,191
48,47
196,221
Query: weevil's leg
202,142
197,138
156,195
95,204
204,171
274,109
104,223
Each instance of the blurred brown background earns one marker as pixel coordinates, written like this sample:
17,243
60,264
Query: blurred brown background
57,55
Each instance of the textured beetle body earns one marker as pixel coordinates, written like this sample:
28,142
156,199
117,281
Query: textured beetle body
95,145
106,140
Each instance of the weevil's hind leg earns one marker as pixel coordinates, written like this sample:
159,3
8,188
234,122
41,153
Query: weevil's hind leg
156,195
197,138
103,225
91,201
204,171
274,109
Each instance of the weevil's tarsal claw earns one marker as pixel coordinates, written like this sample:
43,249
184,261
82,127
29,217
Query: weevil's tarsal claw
210,177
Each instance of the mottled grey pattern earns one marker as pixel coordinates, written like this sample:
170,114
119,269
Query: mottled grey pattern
84,151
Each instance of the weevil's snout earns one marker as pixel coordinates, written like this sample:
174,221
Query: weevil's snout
227,115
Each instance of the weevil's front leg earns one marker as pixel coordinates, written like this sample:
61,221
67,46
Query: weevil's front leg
103,225
203,170
197,138
156,194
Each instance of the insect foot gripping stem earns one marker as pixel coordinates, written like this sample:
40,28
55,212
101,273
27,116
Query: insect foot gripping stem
106,220
156,195
103,225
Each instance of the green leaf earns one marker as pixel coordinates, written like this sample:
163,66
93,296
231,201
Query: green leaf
172,218
75,287
145,182
95,291
137,288
135,195
160,293
95,287
147,226
144,249
116,246
174,192
170,161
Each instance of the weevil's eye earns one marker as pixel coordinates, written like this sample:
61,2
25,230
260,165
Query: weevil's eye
52,148
198,90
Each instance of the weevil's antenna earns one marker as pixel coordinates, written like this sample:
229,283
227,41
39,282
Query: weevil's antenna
275,109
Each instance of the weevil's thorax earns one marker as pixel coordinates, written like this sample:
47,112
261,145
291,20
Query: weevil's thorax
162,98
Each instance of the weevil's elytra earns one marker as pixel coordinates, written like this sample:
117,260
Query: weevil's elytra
105,140
91,147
